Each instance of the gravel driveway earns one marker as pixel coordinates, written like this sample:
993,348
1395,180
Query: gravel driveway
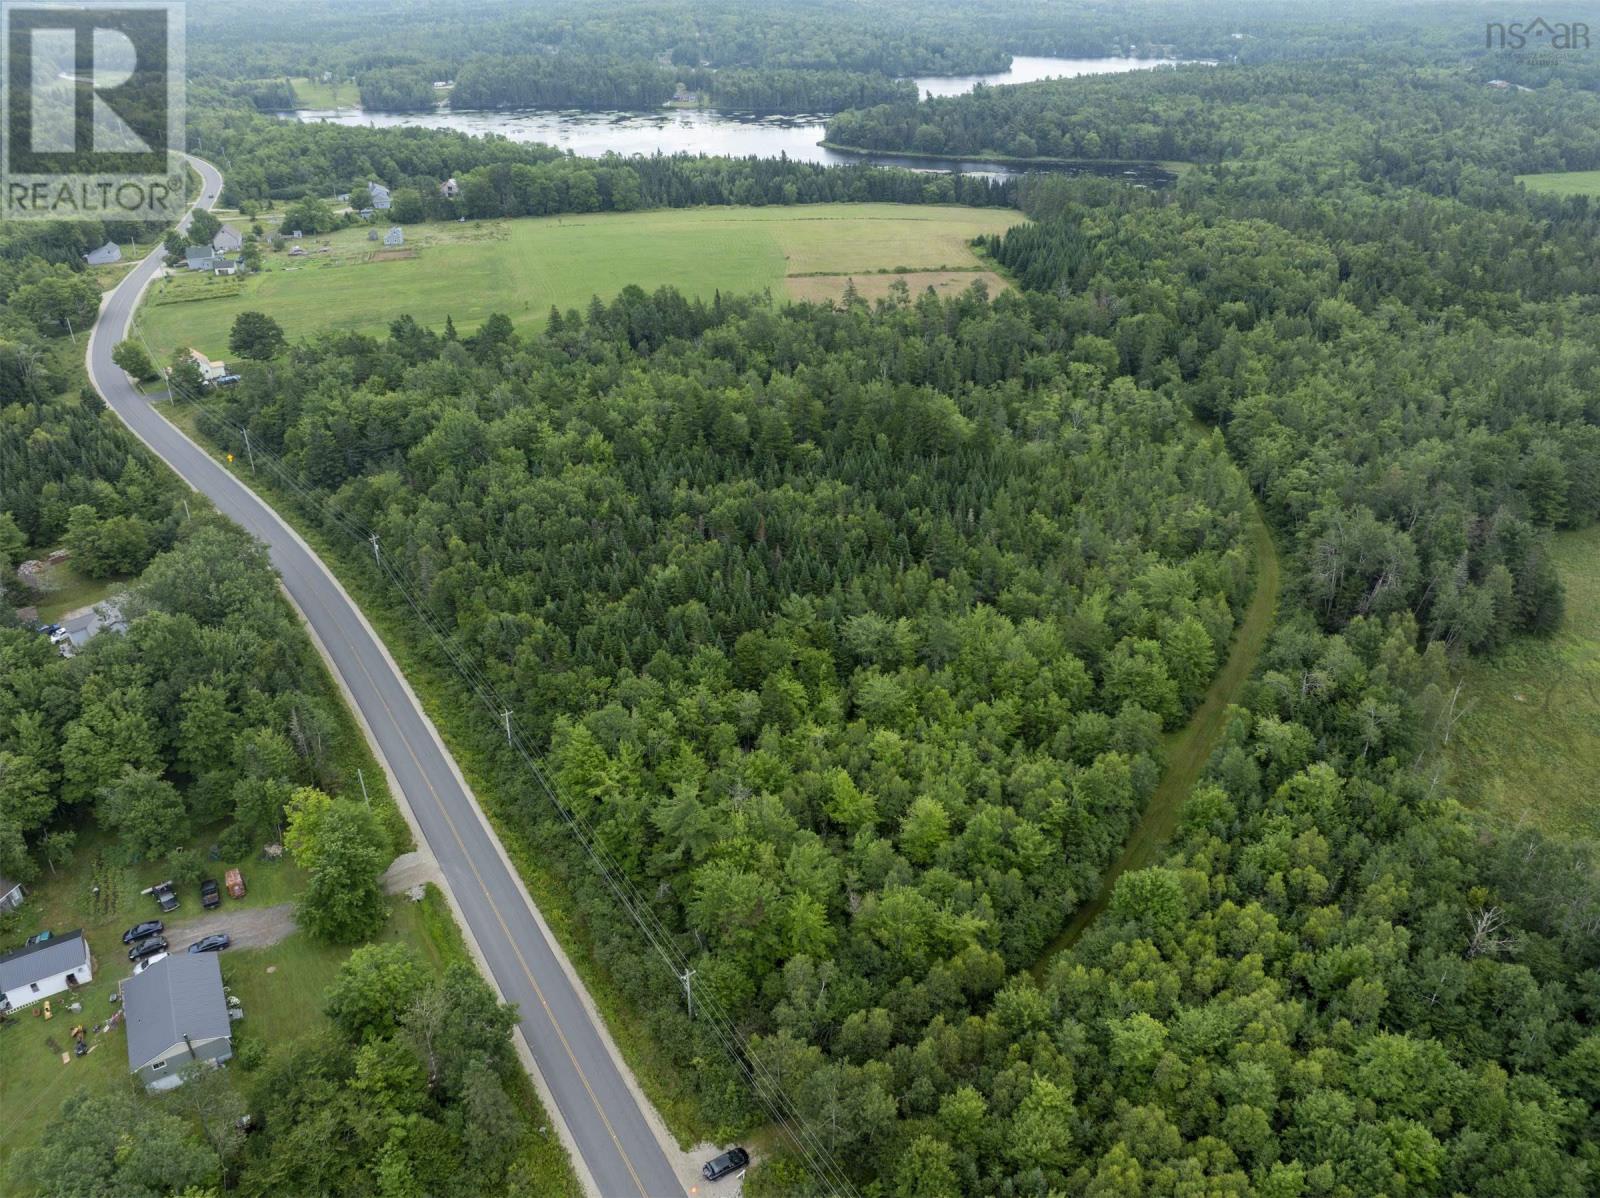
252,927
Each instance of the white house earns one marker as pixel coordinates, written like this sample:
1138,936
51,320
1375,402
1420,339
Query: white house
209,371
44,969
450,189
227,240
177,1015
395,236
380,195
104,256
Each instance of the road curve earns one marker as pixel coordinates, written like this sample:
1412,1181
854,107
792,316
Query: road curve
621,1156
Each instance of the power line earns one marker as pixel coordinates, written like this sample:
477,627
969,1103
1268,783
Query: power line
764,1084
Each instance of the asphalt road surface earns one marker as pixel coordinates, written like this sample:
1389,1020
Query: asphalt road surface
618,1147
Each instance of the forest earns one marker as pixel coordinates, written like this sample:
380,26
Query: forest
853,630
653,526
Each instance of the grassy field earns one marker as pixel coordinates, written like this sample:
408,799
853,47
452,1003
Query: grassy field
1528,748
313,93
1564,183
61,589
522,267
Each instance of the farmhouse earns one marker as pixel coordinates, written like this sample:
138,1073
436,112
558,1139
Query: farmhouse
380,195
40,970
177,1016
11,893
201,257
104,256
394,236
209,371
450,189
227,240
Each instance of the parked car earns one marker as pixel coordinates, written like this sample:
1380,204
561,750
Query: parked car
235,883
212,943
210,894
717,1167
147,948
147,962
38,938
140,930
164,896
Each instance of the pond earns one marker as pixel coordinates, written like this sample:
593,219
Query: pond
707,131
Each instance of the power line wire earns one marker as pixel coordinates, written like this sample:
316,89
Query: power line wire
764,1084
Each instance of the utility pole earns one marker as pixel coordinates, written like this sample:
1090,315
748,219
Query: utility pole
251,453
70,333
374,539
365,797
186,514
506,716
687,978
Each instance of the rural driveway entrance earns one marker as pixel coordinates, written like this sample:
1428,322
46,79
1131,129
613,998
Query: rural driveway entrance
254,927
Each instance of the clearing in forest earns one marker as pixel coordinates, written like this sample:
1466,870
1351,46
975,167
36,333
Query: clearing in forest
472,270
1528,748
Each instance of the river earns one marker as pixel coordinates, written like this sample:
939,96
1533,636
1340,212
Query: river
707,131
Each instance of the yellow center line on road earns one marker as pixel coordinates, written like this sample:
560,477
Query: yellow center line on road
537,989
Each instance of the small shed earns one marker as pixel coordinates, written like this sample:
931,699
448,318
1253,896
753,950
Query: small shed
372,234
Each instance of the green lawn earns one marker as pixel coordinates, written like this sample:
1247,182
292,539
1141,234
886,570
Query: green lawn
1528,748
522,267
1564,183
63,589
309,93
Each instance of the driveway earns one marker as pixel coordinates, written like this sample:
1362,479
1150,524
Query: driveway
251,927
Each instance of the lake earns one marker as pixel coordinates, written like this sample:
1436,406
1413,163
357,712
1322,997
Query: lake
732,134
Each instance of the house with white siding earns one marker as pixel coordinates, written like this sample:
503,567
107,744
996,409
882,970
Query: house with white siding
44,969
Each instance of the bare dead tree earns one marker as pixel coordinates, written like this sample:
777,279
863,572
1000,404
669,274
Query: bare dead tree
1489,935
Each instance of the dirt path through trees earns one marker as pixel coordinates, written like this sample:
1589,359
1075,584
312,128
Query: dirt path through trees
1188,749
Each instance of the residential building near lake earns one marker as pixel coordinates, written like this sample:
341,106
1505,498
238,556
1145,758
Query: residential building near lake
177,1015
44,969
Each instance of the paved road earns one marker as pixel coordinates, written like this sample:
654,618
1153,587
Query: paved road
623,1157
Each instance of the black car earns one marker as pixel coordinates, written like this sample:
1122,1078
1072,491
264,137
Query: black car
211,943
734,1158
210,894
140,930
148,947
164,897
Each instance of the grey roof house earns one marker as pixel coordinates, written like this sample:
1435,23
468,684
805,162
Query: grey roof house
177,1016
380,195
227,239
104,256
41,970
201,257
